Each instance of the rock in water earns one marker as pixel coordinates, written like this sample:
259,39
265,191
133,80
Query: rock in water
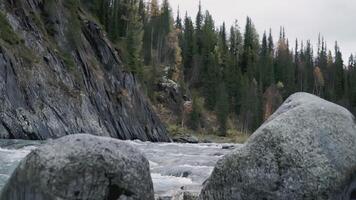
306,150
81,167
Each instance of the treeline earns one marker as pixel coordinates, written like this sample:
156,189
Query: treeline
231,70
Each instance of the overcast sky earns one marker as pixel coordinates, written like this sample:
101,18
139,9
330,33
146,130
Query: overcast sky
302,19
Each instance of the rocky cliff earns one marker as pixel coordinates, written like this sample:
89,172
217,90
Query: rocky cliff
60,75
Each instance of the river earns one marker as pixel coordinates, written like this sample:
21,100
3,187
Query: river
173,165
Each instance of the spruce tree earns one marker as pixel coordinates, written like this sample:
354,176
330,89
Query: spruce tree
250,50
222,109
195,115
134,39
178,22
339,74
284,67
265,67
188,47
198,30
352,83
223,52
233,74
210,71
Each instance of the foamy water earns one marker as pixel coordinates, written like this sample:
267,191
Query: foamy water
173,166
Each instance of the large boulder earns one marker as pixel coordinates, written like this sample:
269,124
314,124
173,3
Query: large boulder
81,167
306,150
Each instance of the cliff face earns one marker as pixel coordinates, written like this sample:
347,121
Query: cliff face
60,75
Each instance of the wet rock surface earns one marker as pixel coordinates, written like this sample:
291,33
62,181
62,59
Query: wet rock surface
305,150
81,167
186,139
58,81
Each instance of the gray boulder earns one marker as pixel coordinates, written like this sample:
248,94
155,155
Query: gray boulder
305,150
186,139
81,167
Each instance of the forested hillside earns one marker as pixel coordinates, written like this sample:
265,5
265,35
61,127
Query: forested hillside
222,73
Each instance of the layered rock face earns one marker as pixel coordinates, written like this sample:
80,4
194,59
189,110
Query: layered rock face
306,150
60,75
81,167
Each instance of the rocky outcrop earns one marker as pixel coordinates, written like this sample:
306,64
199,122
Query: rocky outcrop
63,76
81,167
305,150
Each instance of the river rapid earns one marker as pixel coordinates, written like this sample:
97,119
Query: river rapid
174,166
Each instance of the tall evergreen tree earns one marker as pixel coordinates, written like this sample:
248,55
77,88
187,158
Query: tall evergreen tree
179,24
265,67
284,67
210,72
339,74
233,74
188,47
222,109
134,39
166,18
250,50
352,83
223,52
198,30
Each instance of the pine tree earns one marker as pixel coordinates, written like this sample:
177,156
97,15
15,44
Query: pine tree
154,28
223,52
210,73
188,47
284,67
339,74
265,67
329,93
352,83
233,74
134,39
251,108
195,115
306,69
166,18
222,109
198,30
270,76
179,24
322,59
250,50
165,28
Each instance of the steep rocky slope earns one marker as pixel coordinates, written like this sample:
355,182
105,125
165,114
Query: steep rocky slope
60,75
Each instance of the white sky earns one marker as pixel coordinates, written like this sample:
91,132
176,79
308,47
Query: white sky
302,19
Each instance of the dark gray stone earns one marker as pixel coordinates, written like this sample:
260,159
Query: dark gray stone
50,87
306,150
181,195
228,147
186,139
81,167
